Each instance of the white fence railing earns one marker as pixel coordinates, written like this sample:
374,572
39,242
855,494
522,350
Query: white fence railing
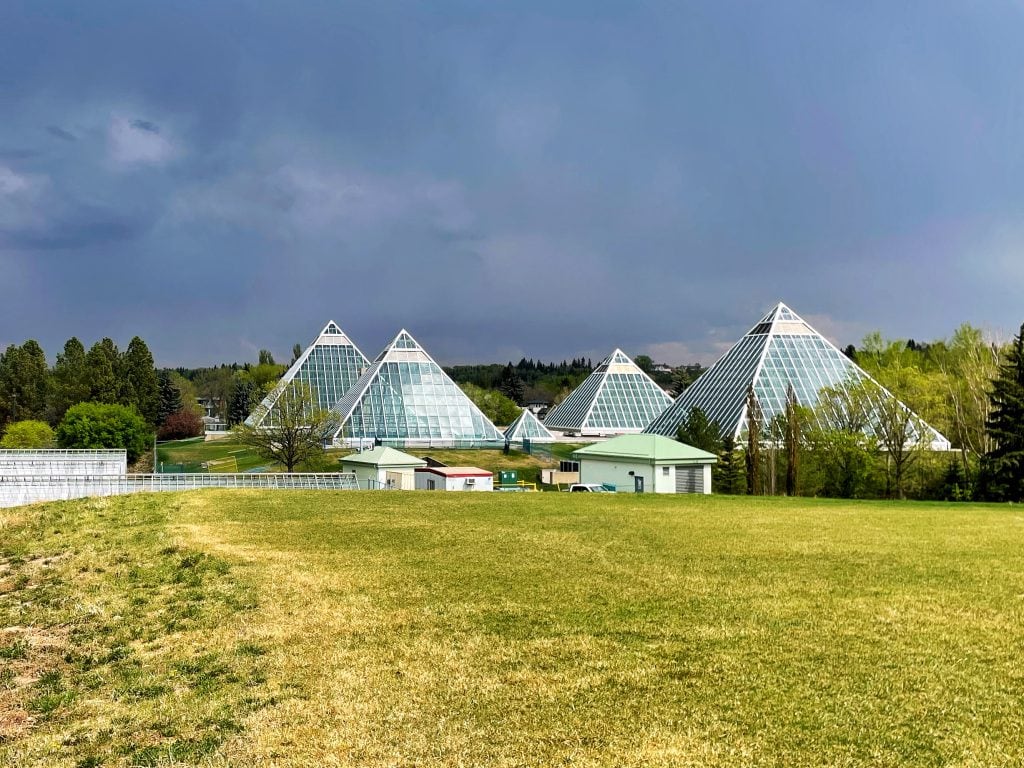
16,490
62,461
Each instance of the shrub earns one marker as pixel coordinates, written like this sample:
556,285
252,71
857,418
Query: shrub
28,434
102,425
183,423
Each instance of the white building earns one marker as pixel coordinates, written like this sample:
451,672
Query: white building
454,479
646,463
384,468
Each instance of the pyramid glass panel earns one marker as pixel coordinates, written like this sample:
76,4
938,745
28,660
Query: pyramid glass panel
780,351
527,427
329,366
405,396
617,398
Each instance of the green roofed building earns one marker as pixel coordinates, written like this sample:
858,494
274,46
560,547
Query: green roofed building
329,366
780,351
404,396
383,468
617,398
646,463
528,427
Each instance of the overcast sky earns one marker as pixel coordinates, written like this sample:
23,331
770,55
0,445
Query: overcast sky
540,179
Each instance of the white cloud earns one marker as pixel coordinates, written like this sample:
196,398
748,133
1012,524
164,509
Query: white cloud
134,143
19,199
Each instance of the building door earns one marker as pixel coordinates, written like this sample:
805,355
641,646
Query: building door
638,483
690,479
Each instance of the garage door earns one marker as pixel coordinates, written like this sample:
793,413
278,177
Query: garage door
689,479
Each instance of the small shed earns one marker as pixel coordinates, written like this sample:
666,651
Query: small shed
383,467
646,463
454,479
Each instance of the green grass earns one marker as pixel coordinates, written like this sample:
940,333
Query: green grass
288,629
192,453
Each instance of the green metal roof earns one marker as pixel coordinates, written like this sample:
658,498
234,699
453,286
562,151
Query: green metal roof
652,448
382,456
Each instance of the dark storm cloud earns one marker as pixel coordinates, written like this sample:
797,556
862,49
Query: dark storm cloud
58,132
534,180
146,125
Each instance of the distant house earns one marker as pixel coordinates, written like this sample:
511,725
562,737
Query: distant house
646,463
383,468
454,479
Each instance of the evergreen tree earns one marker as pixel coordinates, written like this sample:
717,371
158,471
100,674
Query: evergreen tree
170,397
697,431
24,383
102,363
954,483
727,474
242,398
70,380
1004,463
266,358
511,385
140,384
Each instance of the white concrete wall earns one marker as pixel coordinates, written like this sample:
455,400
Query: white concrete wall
617,473
665,483
442,483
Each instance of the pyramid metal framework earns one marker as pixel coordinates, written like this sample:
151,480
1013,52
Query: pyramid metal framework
617,398
330,366
528,427
405,396
779,351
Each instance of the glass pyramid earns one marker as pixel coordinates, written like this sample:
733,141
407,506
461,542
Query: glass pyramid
405,396
781,349
528,427
617,398
329,366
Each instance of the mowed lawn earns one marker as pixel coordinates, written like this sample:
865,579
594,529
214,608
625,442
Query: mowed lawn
420,629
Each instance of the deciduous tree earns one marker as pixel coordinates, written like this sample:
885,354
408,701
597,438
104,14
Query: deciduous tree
299,429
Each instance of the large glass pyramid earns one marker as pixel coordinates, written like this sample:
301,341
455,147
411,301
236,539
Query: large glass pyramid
329,366
527,427
405,396
780,350
617,398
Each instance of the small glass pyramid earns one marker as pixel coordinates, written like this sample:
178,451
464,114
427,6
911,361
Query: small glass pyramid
617,398
528,427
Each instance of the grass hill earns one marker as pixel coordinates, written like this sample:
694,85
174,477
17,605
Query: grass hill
372,629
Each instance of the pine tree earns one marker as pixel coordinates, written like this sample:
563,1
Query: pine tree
1004,463
70,380
697,431
103,363
139,381
511,385
242,398
24,383
727,474
170,397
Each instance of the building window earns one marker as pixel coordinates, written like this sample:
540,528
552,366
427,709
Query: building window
664,471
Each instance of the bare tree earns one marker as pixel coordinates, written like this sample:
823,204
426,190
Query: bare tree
792,441
904,436
754,485
297,433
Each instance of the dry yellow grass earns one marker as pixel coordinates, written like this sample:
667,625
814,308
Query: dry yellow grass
393,629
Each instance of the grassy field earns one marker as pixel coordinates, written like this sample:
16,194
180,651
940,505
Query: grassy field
400,629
